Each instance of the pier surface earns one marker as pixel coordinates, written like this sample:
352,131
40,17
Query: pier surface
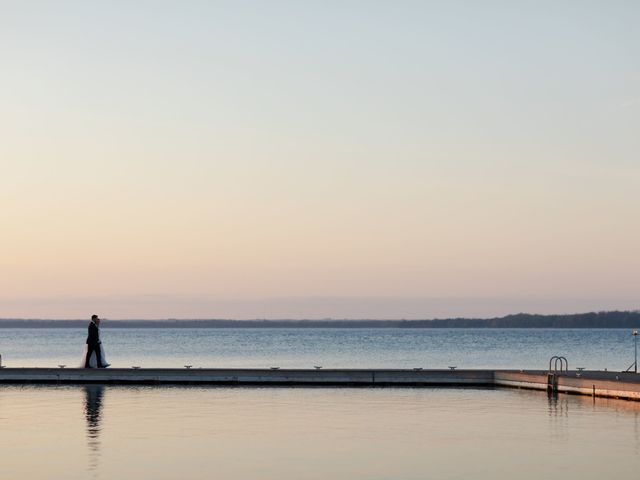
595,383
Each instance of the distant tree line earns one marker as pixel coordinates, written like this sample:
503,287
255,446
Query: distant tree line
615,319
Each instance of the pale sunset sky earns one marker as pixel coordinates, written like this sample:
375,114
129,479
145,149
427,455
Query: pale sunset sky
312,159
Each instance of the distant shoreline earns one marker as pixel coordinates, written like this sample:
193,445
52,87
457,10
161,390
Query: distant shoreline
613,319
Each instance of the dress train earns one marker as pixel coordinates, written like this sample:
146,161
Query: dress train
93,362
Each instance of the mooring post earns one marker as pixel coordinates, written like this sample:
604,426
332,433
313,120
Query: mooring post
635,348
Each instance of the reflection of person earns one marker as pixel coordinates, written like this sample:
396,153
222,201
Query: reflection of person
92,408
92,414
93,343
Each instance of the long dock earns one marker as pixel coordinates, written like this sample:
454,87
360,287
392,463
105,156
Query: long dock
594,383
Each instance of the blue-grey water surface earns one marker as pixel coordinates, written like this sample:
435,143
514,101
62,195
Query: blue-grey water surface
303,348
106,432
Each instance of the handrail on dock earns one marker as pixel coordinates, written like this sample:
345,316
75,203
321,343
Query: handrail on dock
564,364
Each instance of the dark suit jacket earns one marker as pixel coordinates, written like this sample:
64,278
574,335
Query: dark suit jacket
94,335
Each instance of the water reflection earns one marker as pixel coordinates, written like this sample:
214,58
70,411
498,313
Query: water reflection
558,406
93,413
559,422
116,432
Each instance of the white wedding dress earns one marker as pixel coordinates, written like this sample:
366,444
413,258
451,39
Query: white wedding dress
93,361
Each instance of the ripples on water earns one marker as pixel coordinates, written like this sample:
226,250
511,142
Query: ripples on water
303,348
302,433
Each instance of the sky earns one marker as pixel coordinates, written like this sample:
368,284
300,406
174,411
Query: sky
334,159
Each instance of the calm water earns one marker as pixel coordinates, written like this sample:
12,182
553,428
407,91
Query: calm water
302,433
303,348
247,433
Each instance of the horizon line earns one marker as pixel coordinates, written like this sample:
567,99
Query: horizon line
327,319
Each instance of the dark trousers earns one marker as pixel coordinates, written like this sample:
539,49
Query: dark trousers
90,350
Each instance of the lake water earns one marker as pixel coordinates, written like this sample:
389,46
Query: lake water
301,433
304,348
107,432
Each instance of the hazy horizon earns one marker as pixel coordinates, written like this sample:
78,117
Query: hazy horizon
318,159
317,308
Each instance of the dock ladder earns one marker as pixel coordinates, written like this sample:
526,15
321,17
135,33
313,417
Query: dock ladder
552,375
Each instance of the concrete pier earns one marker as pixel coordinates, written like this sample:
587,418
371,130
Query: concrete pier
622,385
594,383
250,376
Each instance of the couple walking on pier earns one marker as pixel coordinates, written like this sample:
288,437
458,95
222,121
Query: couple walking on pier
94,353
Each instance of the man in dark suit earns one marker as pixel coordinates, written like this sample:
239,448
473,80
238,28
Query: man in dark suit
93,342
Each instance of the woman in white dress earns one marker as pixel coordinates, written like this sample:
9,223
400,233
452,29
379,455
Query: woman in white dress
93,361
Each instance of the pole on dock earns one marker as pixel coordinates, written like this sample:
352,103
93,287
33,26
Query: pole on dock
635,349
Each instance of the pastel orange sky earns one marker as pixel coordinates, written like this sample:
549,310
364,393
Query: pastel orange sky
330,159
